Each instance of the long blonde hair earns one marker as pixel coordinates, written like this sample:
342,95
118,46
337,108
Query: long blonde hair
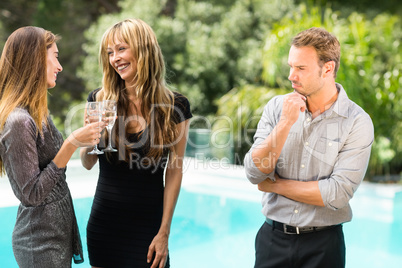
23,75
157,101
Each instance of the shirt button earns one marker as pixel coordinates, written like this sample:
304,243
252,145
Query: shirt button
296,211
308,119
306,143
302,166
330,144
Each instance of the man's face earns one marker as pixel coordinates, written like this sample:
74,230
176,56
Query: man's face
305,73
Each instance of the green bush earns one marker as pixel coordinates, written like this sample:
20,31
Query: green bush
370,70
236,120
209,46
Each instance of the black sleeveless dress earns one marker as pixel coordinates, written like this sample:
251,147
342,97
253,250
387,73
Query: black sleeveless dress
127,208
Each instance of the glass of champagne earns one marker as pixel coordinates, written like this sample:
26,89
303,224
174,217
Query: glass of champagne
94,112
110,112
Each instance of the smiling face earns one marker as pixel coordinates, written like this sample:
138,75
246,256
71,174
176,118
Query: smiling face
122,60
305,73
53,65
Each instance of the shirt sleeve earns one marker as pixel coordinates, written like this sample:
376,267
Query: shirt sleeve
20,159
350,166
182,110
265,126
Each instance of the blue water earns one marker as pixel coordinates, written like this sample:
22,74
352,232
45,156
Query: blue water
214,231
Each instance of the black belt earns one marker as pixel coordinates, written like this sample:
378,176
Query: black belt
288,229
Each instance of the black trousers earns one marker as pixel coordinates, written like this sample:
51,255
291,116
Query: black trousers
322,249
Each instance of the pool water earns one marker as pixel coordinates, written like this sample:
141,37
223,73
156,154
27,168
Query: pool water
207,231
211,229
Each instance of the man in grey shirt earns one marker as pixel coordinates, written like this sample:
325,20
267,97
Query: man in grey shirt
309,156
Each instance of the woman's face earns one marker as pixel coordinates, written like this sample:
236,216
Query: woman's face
122,60
53,65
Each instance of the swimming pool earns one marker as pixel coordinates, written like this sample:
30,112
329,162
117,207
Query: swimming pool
218,215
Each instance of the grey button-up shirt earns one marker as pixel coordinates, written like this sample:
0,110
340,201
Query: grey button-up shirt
333,149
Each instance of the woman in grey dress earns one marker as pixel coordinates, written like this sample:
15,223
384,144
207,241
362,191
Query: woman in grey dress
33,154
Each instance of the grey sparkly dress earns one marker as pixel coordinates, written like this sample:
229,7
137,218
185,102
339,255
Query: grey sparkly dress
46,233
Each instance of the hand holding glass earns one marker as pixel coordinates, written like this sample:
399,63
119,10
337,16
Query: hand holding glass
94,112
110,112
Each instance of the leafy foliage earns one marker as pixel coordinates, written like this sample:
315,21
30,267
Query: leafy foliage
237,118
210,47
69,19
370,70
222,52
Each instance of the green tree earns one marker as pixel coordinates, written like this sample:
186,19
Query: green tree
237,118
2,35
210,46
370,71
69,19
370,7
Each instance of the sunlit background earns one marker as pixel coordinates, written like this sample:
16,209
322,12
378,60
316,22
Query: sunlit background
229,57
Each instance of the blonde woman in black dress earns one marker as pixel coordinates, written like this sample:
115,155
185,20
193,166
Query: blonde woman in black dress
138,187
33,154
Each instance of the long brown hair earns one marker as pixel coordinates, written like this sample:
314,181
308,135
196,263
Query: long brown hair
23,80
157,101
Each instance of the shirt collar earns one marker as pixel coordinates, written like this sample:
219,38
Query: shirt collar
341,105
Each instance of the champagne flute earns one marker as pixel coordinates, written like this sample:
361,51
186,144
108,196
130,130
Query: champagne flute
94,112
110,112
